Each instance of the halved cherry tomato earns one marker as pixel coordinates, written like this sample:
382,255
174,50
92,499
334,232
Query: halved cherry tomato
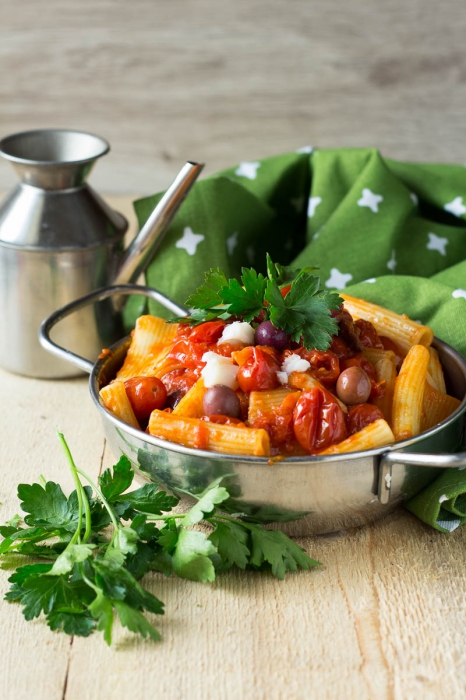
368,336
318,420
189,354
340,348
361,415
179,381
325,366
145,394
208,332
259,372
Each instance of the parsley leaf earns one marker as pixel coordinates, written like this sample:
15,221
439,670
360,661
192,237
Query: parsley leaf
207,295
191,556
231,541
305,311
275,548
113,484
47,506
247,300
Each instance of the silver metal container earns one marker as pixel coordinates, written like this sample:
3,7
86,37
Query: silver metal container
305,495
58,241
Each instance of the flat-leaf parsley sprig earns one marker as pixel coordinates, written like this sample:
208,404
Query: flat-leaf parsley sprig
291,299
95,545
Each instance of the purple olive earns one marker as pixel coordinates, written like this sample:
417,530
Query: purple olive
173,399
267,334
353,386
221,400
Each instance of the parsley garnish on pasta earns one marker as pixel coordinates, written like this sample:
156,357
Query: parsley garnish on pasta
292,299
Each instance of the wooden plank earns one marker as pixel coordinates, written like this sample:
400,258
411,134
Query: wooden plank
167,82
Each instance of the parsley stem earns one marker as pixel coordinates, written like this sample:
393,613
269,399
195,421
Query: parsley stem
151,516
248,526
101,496
79,488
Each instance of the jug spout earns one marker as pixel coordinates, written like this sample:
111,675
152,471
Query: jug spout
143,247
53,159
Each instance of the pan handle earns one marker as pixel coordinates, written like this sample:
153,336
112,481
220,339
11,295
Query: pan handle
92,297
432,461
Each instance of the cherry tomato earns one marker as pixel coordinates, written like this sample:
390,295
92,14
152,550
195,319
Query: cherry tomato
340,348
145,395
208,332
278,422
368,336
325,366
179,381
361,415
259,372
318,420
189,354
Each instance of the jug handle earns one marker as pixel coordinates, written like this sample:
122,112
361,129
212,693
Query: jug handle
434,461
92,297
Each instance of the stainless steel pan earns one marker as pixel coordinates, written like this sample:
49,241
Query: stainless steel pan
306,495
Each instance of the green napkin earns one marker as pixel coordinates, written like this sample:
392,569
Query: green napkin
393,233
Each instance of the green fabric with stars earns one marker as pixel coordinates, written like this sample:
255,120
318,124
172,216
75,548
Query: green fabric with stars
390,232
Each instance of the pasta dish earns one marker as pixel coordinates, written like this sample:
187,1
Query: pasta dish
248,387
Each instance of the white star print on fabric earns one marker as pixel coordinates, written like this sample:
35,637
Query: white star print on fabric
250,254
232,242
304,149
189,241
337,279
311,207
392,262
248,169
437,243
370,199
456,207
414,198
449,525
459,294
371,280
297,203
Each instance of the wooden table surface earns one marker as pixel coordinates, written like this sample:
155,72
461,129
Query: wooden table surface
382,618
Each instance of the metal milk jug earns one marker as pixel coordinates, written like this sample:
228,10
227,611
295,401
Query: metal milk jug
58,240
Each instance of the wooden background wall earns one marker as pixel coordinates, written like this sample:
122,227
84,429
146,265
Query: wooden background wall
229,80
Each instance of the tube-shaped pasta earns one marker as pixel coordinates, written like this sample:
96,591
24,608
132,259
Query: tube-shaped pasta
404,331
409,393
115,399
203,435
435,370
373,435
265,401
190,405
152,338
436,406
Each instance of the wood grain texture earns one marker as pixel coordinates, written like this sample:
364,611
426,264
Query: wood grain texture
223,82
